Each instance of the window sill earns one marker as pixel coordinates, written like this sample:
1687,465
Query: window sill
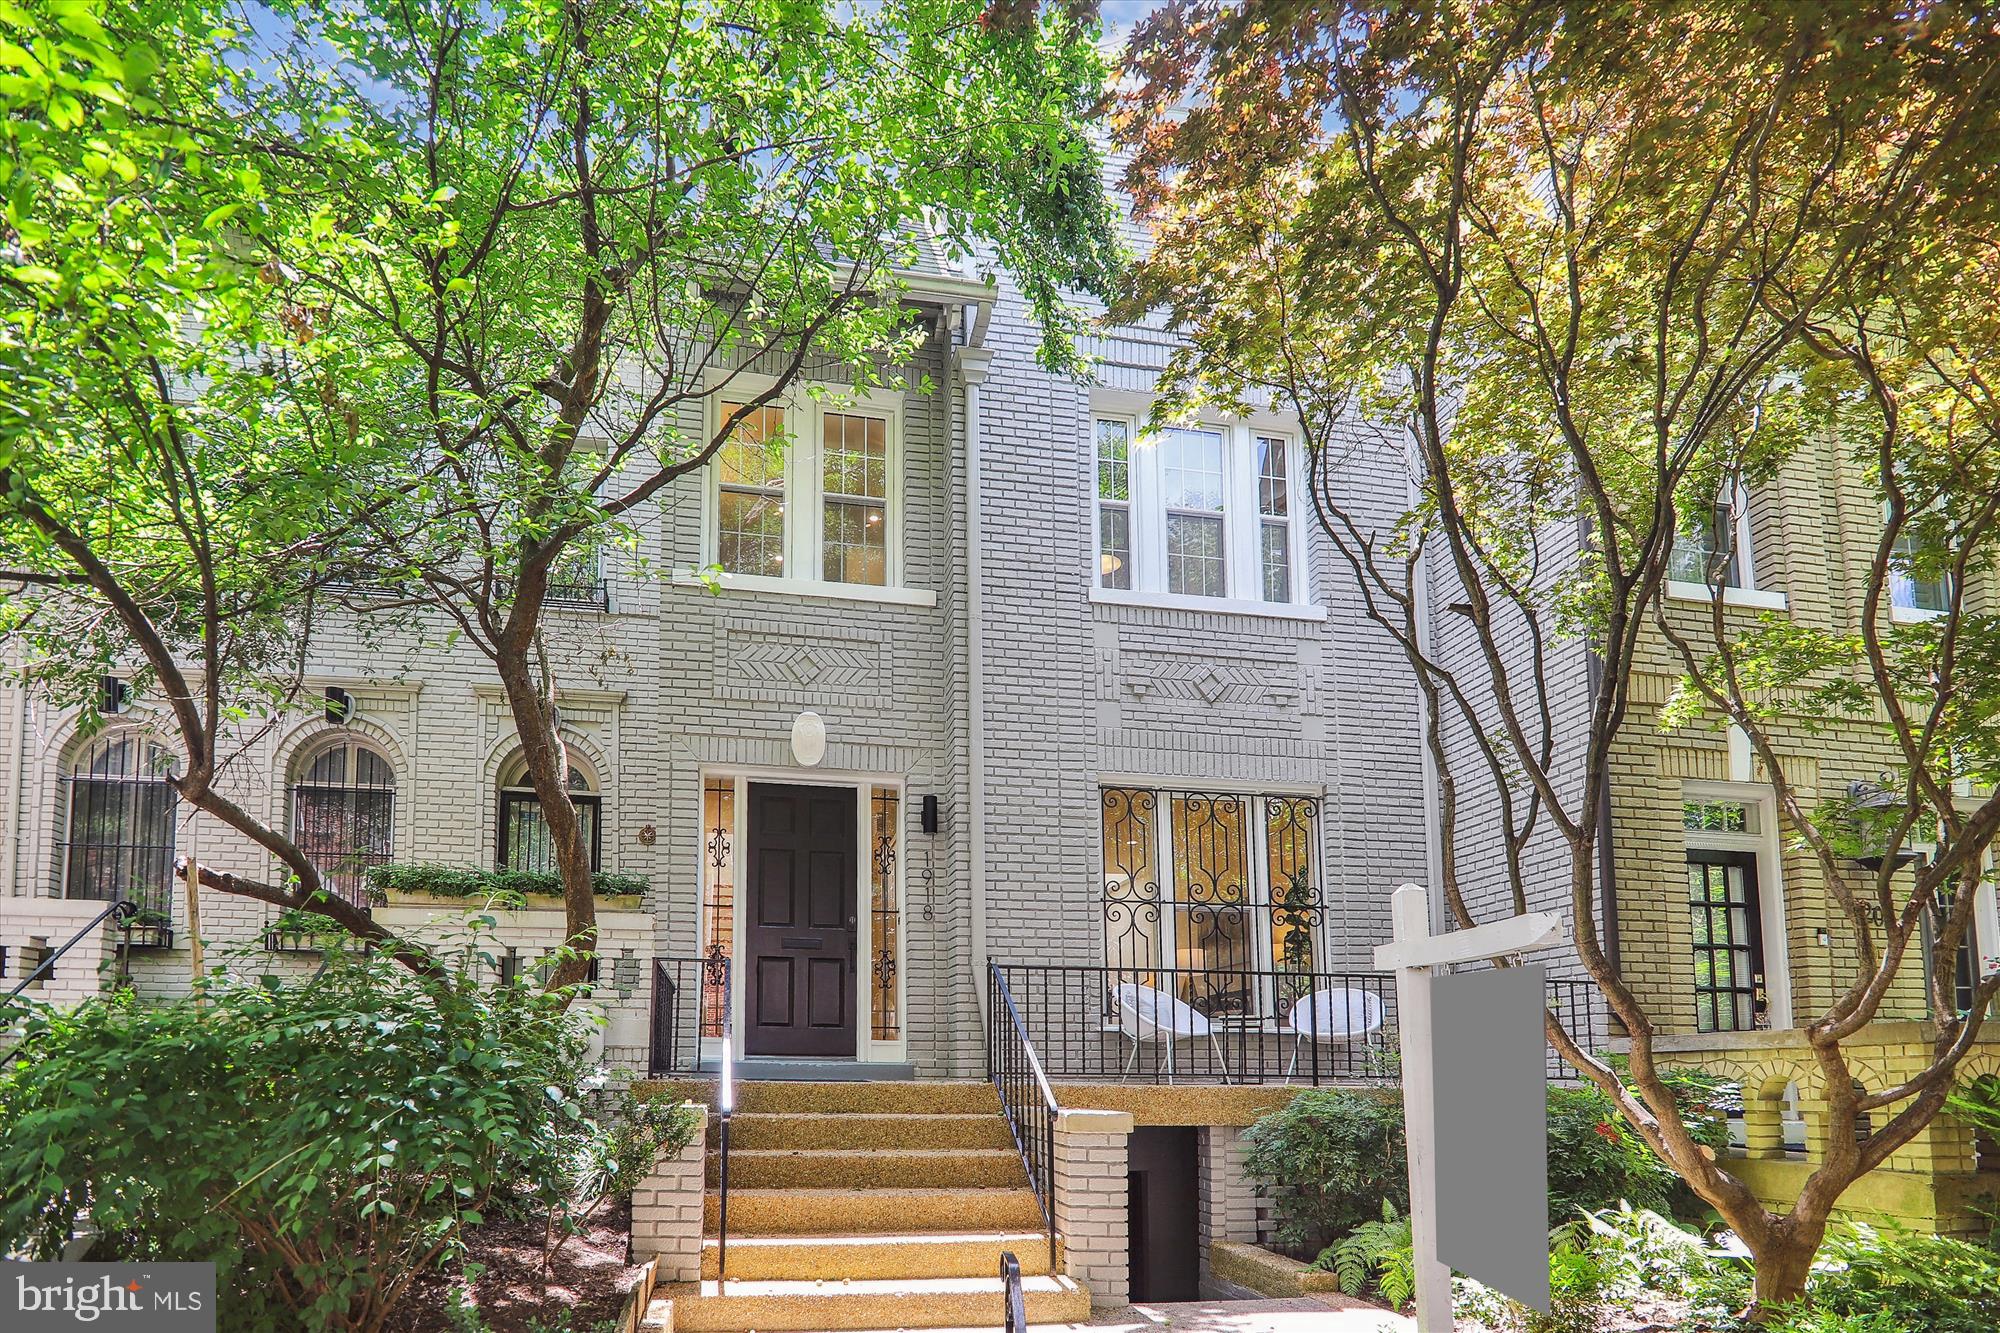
1756,599
1913,615
840,592
1228,606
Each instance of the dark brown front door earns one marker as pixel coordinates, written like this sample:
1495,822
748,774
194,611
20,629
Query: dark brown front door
801,870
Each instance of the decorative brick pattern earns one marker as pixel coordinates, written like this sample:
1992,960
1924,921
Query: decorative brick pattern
1092,1151
667,1210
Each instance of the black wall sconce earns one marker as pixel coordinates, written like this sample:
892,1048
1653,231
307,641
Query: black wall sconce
113,695
927,818
339,706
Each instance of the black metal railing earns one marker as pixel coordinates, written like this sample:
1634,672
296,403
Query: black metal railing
725,1107
1580,1007
1238,1025
585,593
1025,1096
1016,1309
45,964
683,988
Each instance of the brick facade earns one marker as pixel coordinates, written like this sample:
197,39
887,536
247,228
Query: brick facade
675,684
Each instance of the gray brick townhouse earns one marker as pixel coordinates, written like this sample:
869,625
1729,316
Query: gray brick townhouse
1089,701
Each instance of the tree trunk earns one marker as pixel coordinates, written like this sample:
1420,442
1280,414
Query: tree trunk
1782,1265
548,769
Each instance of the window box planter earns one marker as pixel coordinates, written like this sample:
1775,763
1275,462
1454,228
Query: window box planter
532,902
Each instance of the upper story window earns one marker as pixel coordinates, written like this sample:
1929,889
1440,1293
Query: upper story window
1200,511
344,814
1713,549
1917,583
1713,545
524,842
120,824
807,494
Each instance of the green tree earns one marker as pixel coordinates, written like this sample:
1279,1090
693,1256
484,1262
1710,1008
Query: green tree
178,475
1586,267
562,234
395,313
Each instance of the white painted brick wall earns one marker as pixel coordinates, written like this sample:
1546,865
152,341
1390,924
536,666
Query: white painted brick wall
1092,1154
667,1210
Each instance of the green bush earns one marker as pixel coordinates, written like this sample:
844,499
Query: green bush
460,882
1918,1283
1329,1160
324,1140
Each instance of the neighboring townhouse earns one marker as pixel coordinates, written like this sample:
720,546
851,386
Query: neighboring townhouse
995,693
1713,910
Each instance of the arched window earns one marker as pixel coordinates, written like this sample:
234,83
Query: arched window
344,813
524,836
120,831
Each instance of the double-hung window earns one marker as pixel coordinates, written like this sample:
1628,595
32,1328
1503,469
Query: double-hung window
806,495
1713,548
1203,512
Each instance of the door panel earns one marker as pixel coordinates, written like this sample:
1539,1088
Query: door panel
802,920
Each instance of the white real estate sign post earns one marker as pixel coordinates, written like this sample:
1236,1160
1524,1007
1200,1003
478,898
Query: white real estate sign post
1412,955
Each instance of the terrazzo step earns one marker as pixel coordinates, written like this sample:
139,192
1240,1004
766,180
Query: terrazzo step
929,1097
878,1257
897,1212
878,1168
834,1307
755,1130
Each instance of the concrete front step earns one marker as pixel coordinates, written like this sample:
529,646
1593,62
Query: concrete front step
878,1168
859,1129
823,1307
837,1212
929,1097
877,1257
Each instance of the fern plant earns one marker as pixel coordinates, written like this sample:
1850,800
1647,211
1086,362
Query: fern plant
1378,1255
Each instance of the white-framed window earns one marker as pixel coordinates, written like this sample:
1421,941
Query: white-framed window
806,494
1918,588
1714,546
1205,512
1714,543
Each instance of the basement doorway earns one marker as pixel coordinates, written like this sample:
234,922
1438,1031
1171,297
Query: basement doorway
1161,1205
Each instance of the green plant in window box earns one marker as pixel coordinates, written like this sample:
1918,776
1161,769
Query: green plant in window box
423,882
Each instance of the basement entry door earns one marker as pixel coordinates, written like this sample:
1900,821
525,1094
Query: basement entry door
800,924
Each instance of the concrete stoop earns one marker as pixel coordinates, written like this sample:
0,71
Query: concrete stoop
863,1206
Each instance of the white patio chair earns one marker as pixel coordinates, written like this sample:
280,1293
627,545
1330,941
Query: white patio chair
1145,1014
1332,1014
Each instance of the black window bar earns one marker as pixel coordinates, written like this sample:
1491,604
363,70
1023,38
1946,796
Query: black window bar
345,831
122,814
524,836
1235,930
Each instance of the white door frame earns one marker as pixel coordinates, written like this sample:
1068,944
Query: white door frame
1762,841
866,1047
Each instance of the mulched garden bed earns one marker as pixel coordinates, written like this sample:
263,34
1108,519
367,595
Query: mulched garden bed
582,1289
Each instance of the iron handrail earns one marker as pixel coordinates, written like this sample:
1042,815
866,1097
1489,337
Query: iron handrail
725,1107
1017,1302
1011,1060
122,908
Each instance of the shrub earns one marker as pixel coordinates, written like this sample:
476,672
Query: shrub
1932,1283
324,1140
1329,1160
464,882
